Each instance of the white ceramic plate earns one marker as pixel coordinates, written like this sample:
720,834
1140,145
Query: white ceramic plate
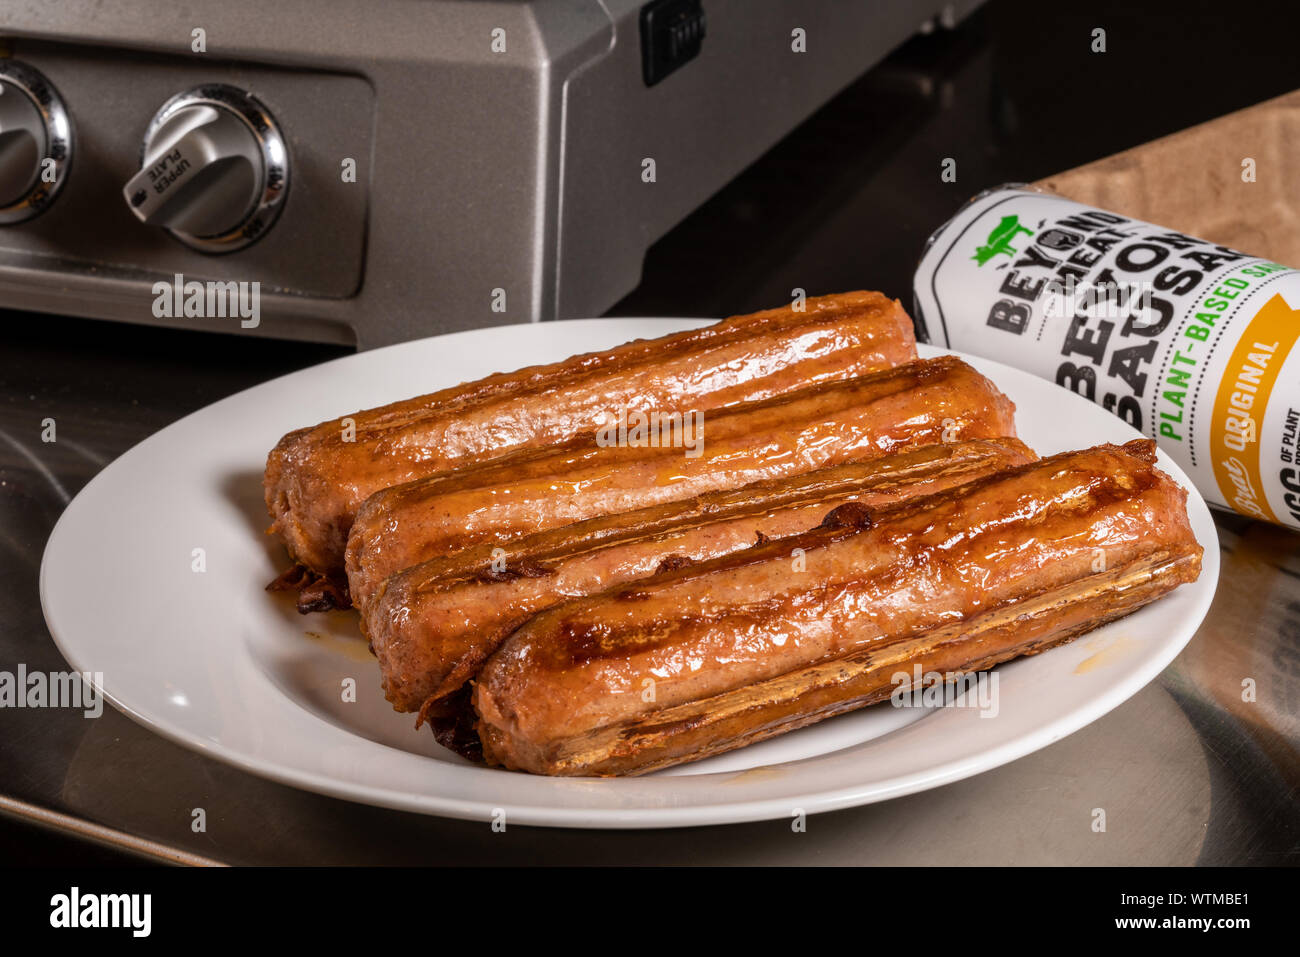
210,660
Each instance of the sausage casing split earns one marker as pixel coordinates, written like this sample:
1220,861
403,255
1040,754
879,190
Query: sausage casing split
433,625
745,647
920,403
316,478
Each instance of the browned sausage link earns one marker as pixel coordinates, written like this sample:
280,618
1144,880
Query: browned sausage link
748,646
917,404
433,625
316,478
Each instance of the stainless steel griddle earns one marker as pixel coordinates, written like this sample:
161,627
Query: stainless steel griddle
392,170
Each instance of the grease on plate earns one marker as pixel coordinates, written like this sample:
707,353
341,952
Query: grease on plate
1108,654
350,647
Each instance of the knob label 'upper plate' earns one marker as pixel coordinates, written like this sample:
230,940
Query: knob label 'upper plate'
214,169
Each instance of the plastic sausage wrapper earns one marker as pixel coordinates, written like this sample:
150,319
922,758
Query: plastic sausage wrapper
1188,341
916,404
433,625
317,478
714,656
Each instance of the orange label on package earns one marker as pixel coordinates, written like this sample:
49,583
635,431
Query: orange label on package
1239,406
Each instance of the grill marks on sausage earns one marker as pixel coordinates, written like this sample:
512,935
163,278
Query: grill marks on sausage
816,428
434,624
849,515
881,477
539,380
524,567
1080,486
673,562
317,478
981,573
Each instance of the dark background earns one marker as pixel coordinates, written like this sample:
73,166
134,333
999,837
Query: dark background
845,201
1014,94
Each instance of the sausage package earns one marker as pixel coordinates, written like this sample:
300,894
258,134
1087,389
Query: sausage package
1190,342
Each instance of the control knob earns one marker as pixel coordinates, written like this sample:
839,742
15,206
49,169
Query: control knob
35,142
214,169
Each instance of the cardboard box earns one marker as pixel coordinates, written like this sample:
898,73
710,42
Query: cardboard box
1192,181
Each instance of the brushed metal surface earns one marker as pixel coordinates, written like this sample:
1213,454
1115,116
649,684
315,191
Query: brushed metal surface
1187,772
317,247
478,169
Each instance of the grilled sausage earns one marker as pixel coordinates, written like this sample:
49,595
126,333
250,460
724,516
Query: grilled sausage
316,478
922,402
747,646
432,626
